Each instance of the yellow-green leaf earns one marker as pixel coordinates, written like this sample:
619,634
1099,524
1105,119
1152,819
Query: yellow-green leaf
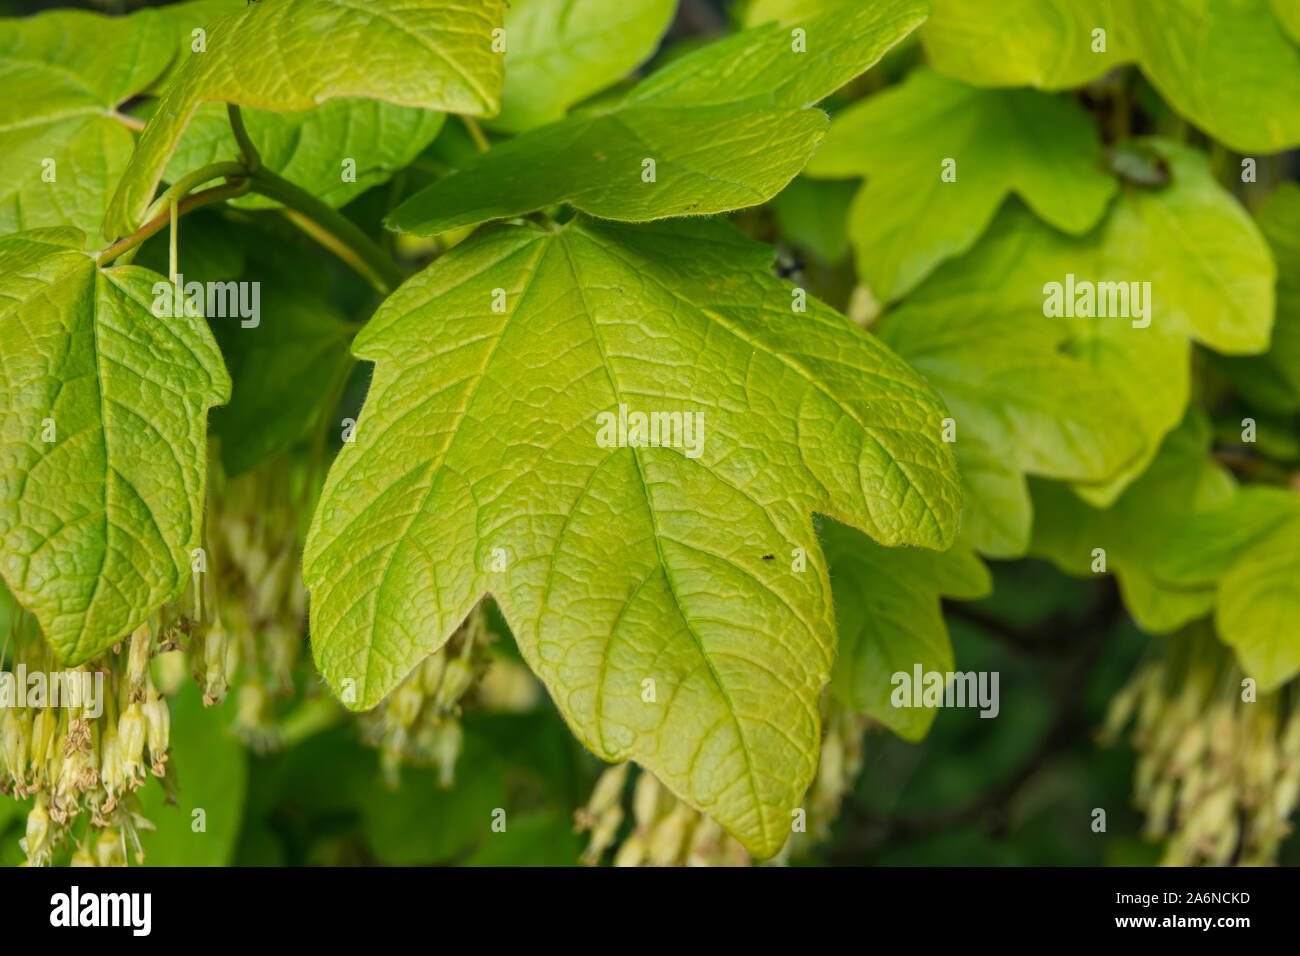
290,55
672,596
103,410
940,157
1208,58
63,76
724,127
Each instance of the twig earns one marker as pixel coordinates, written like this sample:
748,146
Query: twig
247,151
208,196
476,133
130,122
341,231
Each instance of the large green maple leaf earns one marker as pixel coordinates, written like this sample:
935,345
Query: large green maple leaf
63,76
307,147
559,52
478,467
103,411
727,126
908,218
431,54
1206,57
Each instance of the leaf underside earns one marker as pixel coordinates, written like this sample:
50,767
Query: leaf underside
479,443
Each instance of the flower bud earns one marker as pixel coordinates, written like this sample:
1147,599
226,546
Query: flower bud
110,763
251,697
404,706
158,721
1158,813
608,790
1290,742
446,748
1222,730
283,648
15,742
1120,711
132,730
645,799
508,686
706,840
1196,783
631,852
830,771
269,590
45,733
38,843
390,766
297,598
216,646
237,533
602,835
1217,812
668,835
83,856
456,680
109,849
255,561
1152,707
1286,794
431,669
1190,747
137,665
171,671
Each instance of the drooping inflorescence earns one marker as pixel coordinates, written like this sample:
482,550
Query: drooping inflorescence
1218,772
81,742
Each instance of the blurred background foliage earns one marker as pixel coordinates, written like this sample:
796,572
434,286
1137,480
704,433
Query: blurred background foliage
1018,790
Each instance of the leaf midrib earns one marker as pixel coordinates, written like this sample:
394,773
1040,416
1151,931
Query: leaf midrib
561,237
